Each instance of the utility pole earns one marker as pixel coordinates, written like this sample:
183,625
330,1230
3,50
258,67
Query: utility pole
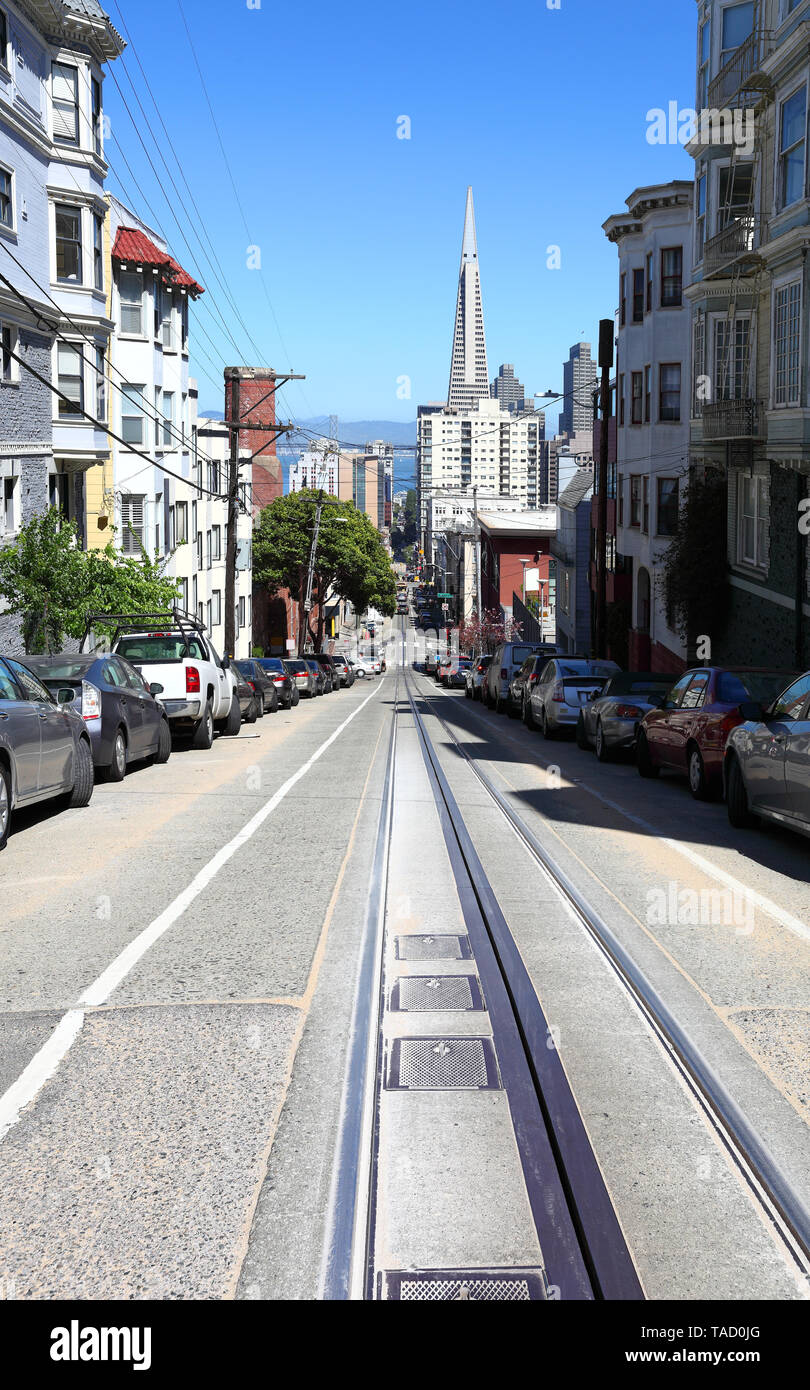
477,534
311,572
233,520
606,331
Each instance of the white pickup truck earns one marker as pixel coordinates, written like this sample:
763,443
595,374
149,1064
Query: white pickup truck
197,688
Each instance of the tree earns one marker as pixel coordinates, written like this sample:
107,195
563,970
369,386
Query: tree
486,633
51,584
350,558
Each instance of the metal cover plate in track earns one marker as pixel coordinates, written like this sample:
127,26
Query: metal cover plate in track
442,1064
433,948
436,993
460,1285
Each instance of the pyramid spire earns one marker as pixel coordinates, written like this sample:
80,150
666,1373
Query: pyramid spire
469,377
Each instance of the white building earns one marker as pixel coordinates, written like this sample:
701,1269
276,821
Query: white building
315,469
169,486
654,241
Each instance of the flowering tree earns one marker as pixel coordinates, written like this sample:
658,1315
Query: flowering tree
483,634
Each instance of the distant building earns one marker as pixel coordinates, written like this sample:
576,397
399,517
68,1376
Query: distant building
570,550
469,378
509,392
579,380
315,469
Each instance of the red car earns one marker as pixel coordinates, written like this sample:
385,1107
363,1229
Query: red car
688,733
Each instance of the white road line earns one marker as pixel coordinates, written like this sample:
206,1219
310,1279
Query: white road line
46,1061
785,919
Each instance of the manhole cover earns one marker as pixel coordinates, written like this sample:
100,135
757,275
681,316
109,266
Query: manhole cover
458,1285
442,1064
433,948
425,993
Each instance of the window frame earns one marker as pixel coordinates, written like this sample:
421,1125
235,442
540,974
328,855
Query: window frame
9,374
758,560
661,509
63,412
134,277
61,209
98,251
58,103
791,364
638,295
11,224
636,398
675,299
782,153
666,419
132,394
635,502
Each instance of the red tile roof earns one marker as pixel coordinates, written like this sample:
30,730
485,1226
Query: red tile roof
134,245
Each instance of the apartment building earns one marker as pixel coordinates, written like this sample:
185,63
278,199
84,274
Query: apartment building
749,307
53,300
653,238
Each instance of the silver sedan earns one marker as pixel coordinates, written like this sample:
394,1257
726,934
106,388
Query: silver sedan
609,721
563,688
766,768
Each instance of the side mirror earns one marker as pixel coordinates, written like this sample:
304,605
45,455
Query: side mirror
156,689
226,663
752,712
656,701
65,696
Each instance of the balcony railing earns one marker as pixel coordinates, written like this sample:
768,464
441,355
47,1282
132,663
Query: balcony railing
741,75
742,419
736,242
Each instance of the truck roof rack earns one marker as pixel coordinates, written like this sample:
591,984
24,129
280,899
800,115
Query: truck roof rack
138,622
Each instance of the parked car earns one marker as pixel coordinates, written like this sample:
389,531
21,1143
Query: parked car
319,675
366,666
609,721
302,676
562,689
766,769
527,676
474,676
120,712
325,661
442,667
689,733
454,674
250,699
261,682
275,669
173,650
431,661
45,748
507,660
344,670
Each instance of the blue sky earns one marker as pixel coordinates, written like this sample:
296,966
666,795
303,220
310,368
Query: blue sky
542,111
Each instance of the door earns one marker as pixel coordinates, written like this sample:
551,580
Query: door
771,742
797,753
222,694
55,731
685,721
144,714
19,733
657,725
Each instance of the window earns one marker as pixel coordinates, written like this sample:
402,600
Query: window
700,217
787,343
622,300
208,616
790,704
621,398
645,504
184,322
792,139
216,607
132,424
636,397
242,612
735,194
32,688
199,550
8,516
6,200
3,39
166,320
158,513
65,88
695,693
635,500
698,365
216,541
213,477
669,385
130,292
98,252
731,359
8,345
168,419
132,524
647,393
184,595
101,384
667,509
638,296
704,58
649,281
170,533
70,379
738,23
181,526
95,88
208,550
157,417
672,277
69,244
753,521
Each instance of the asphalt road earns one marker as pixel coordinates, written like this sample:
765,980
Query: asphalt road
177,980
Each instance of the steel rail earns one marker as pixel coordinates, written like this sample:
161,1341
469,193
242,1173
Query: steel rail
746,1143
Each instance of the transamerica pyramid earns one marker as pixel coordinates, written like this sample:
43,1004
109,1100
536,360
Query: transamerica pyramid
469,378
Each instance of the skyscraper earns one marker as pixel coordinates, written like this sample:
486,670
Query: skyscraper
469,378
579,379
509,392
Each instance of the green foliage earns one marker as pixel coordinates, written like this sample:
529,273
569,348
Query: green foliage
695,567
350,556
51,584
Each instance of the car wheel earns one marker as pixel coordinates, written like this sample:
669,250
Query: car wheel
545,728
602,749
644,762
294,698
5,804
82,775
117,769
233,723
164,748
528,713
204,732
259,706
698,781
252,712
510,706
736,799
467,695
582,737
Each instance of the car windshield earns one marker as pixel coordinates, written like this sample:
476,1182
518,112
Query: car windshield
246,667
735,687
272,663
160,646
630,684
297,667
60,668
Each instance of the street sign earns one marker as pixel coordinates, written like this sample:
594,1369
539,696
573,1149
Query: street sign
290,644
444,595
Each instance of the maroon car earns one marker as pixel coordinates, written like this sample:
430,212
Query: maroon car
689,732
